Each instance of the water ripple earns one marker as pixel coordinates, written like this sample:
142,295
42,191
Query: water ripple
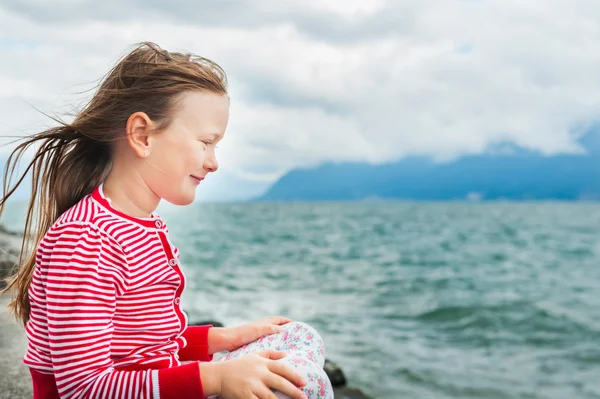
440,300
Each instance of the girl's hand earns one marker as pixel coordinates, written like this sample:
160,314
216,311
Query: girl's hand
230,339
253,376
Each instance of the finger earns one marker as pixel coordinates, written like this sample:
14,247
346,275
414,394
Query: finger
285,387
279,320
265,393
271,329
272,354
288,373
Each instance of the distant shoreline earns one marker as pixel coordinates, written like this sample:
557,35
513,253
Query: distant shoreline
23,201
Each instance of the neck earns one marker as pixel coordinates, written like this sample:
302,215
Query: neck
129,193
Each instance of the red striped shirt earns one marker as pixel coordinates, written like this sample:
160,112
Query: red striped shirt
105,319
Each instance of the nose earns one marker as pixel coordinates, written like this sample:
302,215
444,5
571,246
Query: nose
210,162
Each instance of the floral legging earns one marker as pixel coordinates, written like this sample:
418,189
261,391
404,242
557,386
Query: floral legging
306,353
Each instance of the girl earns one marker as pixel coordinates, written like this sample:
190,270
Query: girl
99,292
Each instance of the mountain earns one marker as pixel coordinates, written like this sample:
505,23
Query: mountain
512,173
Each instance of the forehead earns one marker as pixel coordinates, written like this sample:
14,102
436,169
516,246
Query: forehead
205,110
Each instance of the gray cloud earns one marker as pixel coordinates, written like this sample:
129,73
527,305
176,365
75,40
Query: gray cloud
312,81
319,23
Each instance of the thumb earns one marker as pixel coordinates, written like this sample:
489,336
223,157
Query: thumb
272,354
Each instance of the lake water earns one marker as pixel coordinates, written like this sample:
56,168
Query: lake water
414,300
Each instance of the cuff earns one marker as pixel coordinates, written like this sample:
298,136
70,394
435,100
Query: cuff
180,382
197,344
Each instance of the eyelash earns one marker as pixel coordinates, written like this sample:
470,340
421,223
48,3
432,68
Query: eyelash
209,143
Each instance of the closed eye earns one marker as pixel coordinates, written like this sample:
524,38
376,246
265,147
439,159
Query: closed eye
208,142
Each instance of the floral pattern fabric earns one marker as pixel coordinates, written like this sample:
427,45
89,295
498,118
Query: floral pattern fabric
306,354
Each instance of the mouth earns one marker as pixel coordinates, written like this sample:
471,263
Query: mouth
197,179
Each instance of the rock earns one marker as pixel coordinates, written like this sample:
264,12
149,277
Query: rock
5,268
15,381
5,231
203,323
335,373
349,393
9,254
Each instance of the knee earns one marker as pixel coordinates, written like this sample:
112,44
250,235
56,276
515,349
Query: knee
303,337
318,385
303,328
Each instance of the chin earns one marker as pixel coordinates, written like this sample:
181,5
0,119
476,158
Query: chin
181,200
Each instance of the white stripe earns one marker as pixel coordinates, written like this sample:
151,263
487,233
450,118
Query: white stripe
155,387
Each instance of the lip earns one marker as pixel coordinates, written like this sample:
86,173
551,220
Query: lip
197,179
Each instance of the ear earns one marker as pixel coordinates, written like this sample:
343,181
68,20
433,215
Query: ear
138,129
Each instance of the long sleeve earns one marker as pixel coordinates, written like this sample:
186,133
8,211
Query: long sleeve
197,344
87,272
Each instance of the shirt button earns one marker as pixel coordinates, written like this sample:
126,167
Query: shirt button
177,300
158,224
172,262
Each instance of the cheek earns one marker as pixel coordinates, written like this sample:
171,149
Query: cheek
186,158
194,157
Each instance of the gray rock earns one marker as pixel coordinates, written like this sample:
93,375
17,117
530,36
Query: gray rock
335,373
15,380
5,231
349,393
204,323
10,244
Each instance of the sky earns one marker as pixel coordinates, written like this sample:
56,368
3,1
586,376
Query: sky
318,81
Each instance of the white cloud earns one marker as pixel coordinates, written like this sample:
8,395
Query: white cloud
351,9
370,81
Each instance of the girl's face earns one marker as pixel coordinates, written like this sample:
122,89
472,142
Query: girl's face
182,155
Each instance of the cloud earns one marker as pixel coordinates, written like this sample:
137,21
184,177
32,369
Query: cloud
339,20
322,81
